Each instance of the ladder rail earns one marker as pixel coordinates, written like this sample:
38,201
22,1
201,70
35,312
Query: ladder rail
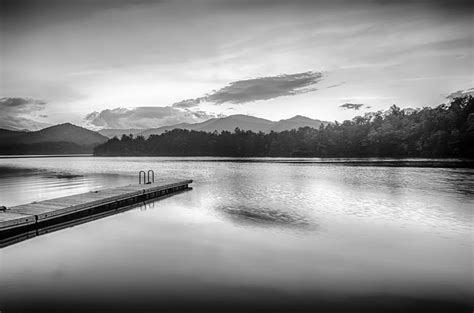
148,177
140,177
152,176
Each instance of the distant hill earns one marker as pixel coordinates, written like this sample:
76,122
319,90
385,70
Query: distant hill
295,123
64,132
6,134
118,132
58,139
160,130
244,122
230,123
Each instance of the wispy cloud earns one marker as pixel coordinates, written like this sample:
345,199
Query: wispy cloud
261,88
265,88
351,106
144,117
336,85
18,113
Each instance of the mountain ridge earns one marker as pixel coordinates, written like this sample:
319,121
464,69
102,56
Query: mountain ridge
244,122
70,138
118,132
296,122
61,138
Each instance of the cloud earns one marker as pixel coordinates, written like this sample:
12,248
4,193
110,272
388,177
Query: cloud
188,103
461,93
262,88
144,117
351,106
19,113
265,88
19,104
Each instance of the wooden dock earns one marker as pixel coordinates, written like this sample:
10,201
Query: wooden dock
27,217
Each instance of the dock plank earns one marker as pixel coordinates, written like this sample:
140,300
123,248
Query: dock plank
41,210
35,212
11,219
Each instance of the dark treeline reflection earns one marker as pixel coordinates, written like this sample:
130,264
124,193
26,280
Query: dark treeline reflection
44,148
443,131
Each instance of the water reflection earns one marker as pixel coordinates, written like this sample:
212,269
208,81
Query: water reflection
265,216
23,185
63,175
149,205
15,236
404,232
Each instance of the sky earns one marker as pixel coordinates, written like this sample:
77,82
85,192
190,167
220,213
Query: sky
142,64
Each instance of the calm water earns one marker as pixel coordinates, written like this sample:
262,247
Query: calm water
286,233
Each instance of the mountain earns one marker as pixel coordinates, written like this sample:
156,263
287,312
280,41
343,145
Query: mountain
58,139
6,134
295,123
118,132
160,130
63,132
229,123
244,122
201,125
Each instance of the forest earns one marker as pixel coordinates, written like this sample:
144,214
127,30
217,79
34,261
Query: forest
443,131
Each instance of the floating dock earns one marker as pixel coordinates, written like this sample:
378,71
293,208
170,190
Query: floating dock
35,215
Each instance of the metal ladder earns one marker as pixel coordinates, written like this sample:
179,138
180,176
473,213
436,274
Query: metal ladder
146,177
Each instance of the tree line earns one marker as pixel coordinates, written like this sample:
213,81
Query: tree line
444,131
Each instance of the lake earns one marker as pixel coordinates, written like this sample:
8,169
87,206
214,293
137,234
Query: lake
278,234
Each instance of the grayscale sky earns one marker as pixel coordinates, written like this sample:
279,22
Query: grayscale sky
152,63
